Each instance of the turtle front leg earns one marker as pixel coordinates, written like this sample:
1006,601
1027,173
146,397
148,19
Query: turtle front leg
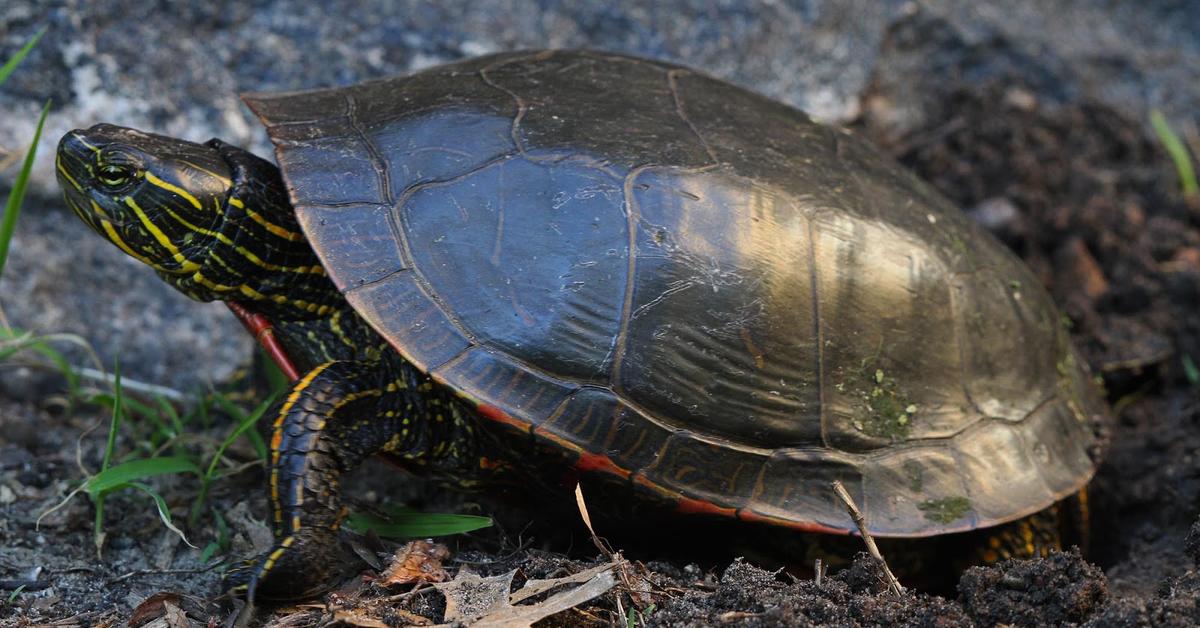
334,418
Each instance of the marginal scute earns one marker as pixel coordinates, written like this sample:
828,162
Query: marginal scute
316,109
515,389
1056,441
694,288
897,484
707,471
334,171
366,248
996,464
778,494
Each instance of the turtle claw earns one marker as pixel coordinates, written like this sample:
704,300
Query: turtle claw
303,564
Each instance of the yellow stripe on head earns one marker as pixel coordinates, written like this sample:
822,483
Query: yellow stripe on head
115,238
63,171
184,263
174,189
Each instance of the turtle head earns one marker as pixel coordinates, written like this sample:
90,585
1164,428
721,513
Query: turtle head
212,219
159,199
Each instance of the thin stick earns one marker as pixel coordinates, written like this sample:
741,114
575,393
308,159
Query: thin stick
134,385
859,520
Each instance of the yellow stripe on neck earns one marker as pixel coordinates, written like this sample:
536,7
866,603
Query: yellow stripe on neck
286,234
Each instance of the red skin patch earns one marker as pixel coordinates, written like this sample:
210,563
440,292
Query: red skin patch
263,332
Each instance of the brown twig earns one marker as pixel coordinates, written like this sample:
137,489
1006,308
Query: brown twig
859,520
159,572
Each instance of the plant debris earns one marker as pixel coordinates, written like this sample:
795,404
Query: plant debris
417,561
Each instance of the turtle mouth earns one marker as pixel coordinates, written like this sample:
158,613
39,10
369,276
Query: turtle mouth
73,168
76,176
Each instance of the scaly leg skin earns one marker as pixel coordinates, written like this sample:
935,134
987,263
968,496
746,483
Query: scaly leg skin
336,416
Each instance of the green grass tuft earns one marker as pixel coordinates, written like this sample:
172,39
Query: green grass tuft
1178,153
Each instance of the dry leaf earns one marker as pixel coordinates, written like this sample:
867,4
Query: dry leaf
417,561
152,608
487,603
174,616
355,618
534,587
524,616
470,597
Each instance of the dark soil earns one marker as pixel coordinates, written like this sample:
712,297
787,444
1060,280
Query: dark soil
1085,196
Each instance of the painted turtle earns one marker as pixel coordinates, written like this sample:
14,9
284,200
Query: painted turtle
676,284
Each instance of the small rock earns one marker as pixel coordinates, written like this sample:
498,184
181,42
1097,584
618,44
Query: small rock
1079,269
1192,545
14,457
1020,98
1184,260
997,214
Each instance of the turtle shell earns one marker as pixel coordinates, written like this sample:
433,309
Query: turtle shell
694,288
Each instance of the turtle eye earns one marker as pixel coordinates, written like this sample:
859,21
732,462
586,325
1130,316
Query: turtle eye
114,176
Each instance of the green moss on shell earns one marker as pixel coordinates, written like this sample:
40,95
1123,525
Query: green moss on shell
885,412
946,509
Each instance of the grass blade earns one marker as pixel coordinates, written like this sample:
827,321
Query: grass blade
8,224
412,524
12,63
128,472
246,424
115,424
244,420
164,513
15,341
1190,370
1178,153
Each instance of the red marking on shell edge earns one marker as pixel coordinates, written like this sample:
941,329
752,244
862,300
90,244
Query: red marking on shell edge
689,506
803,526
262,330
500,416
597,462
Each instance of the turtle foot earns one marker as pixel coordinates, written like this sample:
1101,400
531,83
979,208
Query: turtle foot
301,565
